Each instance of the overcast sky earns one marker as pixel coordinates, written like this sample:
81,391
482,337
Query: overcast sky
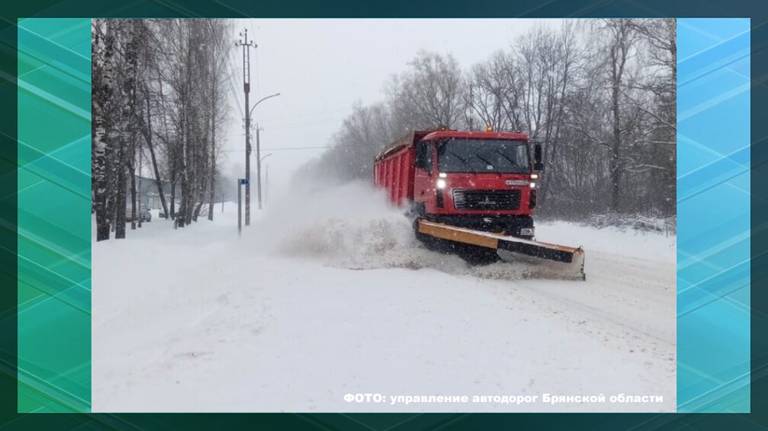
322,67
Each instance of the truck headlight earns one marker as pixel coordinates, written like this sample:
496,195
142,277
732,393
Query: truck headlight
441,183
533,185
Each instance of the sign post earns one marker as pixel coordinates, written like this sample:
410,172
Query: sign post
240,183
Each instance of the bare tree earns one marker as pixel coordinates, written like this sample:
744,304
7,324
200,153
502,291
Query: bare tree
430,93
103,107
493,96
156,81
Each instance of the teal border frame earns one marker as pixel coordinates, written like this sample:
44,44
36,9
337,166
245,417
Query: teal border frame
713,252
713,208
54,217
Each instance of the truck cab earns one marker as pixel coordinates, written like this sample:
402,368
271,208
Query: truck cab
478,180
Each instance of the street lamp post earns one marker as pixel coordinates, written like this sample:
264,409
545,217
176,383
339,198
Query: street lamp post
261,100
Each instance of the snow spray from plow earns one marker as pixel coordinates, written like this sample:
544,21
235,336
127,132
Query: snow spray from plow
566,262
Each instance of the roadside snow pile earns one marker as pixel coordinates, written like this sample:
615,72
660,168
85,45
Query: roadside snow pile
518,267
354,240
635,243
663,225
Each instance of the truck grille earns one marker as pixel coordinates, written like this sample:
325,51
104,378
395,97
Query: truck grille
486,199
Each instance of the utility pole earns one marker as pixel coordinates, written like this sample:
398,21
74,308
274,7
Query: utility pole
261,160
258,148
246,44
258,164
266,182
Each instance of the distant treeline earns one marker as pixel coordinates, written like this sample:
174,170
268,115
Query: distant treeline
598,94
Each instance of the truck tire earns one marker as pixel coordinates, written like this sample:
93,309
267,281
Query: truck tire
475,255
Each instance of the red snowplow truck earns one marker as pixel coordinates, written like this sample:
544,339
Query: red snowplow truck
471,188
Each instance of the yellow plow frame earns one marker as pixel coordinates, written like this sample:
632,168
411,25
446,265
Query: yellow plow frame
567,261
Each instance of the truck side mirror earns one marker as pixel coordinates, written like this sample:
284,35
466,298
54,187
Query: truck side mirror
422,157
538,165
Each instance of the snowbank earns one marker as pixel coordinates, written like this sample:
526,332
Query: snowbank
327,293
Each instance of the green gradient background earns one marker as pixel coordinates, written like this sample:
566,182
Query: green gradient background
36,167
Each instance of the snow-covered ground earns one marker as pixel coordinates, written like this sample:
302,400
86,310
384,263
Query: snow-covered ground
329,294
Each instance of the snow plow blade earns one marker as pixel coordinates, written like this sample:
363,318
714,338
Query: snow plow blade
561,261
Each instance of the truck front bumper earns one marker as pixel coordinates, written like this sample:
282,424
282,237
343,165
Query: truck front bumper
520,226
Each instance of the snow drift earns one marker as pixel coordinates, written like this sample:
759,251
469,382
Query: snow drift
350,226
354,226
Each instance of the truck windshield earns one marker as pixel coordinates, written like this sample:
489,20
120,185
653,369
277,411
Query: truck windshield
483,155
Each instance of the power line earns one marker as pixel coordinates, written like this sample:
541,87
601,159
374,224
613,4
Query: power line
233,79
234,92
285,148
297,148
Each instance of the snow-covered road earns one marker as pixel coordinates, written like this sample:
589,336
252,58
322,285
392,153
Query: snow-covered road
337,298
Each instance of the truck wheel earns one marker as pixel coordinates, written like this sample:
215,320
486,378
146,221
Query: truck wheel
475,255
416,210
424,239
